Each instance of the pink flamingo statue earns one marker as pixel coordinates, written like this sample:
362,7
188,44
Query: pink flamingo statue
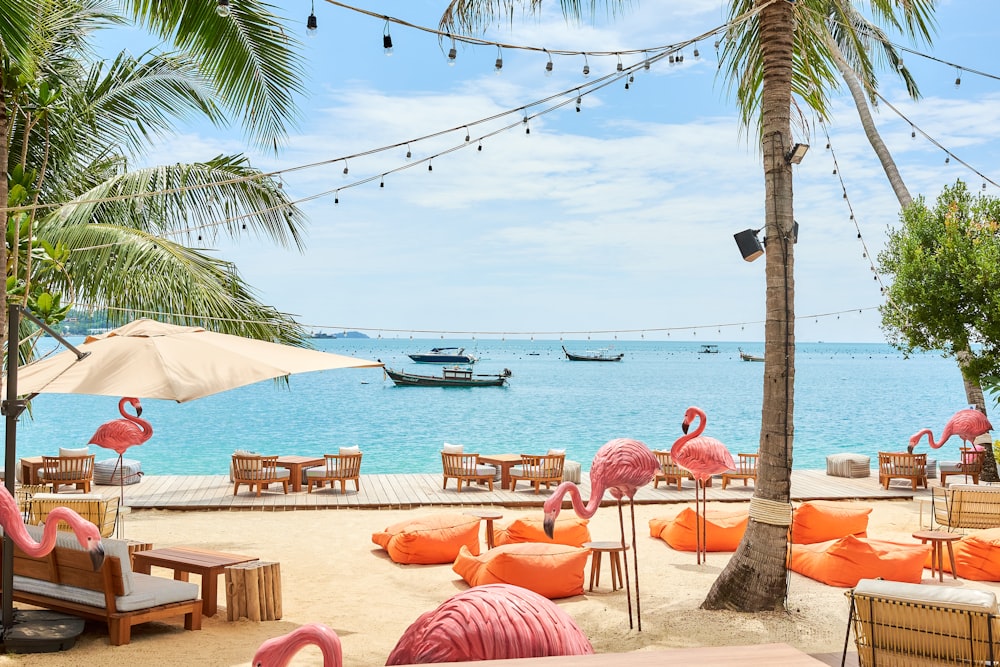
967,424
620,466
86,533
703,457
278,651
120,434
490,622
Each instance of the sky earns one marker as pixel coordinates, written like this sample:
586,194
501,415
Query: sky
612,222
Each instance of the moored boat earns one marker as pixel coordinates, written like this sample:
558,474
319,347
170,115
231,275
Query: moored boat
604,354
749,357
450,377
709,349
444,355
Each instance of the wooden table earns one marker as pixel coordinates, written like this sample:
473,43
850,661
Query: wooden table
186,560
938,538
489,516
30,466
295,463
614,550
503,461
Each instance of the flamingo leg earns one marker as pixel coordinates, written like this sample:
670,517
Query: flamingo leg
119,520
697,522
628,586
635,560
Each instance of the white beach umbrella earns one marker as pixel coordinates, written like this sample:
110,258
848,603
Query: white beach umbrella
150,359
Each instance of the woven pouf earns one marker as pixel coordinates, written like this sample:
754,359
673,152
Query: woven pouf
848,465
105,472
571,471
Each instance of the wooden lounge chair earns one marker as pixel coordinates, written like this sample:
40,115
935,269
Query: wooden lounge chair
902,465
338,468
746,469
544,469
75,471
669,472
465,468
969,465
257,472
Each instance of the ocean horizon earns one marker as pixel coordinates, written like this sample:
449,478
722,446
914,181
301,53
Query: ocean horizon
849,397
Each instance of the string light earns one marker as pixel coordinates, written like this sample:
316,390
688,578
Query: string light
586,65
527,128
381,182
386,40
619,67
346,170
468,137
223,9
409,153
311,24
452,53
548,65
498,66
430,167
958,78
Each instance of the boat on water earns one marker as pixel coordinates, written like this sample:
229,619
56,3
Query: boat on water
450,377
709,349
745,356
444,355
603,354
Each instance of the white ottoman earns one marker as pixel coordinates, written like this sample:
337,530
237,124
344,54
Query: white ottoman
571,471
105,472
848,465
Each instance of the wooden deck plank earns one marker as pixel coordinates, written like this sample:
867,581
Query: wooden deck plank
202,492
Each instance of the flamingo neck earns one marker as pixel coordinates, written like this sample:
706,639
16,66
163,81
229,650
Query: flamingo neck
145,426
13,526
327,641
583,511
684,439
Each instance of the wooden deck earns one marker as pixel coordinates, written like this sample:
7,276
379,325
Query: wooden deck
405,491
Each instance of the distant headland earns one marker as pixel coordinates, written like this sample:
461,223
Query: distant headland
345,334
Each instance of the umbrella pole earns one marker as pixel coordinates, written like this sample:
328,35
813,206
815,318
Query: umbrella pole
12,409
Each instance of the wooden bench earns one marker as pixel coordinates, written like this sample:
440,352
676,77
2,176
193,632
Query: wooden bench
902,624
72,569
966,506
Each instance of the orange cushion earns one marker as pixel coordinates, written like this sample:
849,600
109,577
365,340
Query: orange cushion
569,530
977,556
822,521
846,561
430,539
551,570
723,529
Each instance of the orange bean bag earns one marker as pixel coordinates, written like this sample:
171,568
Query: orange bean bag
850,559
723,529
569,530
822,521
551,570
977,556
435,538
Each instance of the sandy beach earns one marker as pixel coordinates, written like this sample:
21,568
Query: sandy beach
332,573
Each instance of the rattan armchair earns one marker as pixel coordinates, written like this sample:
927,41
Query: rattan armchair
338,468
541,469
75,471
669,472
969,465
902,465
257,472
746,469
465,468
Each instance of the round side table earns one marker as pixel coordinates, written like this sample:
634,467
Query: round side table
614,551
937,539
489,516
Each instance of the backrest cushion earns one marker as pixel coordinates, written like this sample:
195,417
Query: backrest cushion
112,547
356,449
82,451
946,596
451,449
557,451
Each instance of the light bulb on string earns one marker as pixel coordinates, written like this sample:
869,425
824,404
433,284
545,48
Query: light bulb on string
527,128
430,167
646,63
386,40
336,197
958,78
834,171
480,147
619,67
670,60
223,9
498,66
913,134
381,182
586,65
311,23
947,159
696,54
468,137
579,101
452,53
346,170
409,153
548,65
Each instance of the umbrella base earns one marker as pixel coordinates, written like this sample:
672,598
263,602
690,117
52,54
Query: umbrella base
41,631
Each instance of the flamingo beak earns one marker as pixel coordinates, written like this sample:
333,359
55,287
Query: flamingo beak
549,525
909,448
138,411
97,556
684,427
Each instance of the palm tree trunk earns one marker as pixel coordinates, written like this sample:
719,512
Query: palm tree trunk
874,138
756,577
974,396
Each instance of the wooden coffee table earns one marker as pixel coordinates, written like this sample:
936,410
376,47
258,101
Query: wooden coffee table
295,463
937,539
186,560
505,462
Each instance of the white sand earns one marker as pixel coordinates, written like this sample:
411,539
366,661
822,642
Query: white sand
332,573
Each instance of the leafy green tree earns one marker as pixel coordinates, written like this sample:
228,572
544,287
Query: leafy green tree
944,263
89,227
784,49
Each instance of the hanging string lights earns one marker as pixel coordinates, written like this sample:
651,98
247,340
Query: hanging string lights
311,23
386,40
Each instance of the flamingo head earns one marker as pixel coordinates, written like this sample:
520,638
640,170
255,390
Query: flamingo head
551,510
135,404
90,540
689,416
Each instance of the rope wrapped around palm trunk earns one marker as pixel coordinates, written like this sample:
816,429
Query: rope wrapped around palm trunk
770,511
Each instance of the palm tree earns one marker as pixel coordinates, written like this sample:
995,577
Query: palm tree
71,127
784,48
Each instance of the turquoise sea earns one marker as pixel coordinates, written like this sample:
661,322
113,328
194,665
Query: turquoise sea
848,398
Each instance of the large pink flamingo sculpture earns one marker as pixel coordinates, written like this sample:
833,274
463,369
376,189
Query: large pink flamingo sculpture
490,622
967,424
620,466
278,651
120,434
703,457
87,533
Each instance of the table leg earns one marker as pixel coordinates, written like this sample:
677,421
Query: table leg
180,575
595,570
951,560
209,593
938,556
616,571
489,534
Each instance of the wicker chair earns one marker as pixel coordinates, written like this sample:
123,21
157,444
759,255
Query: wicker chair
901,465
257,472
746,469
544,469
75,471
969,465
98,510
339,468
669,472
465,468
